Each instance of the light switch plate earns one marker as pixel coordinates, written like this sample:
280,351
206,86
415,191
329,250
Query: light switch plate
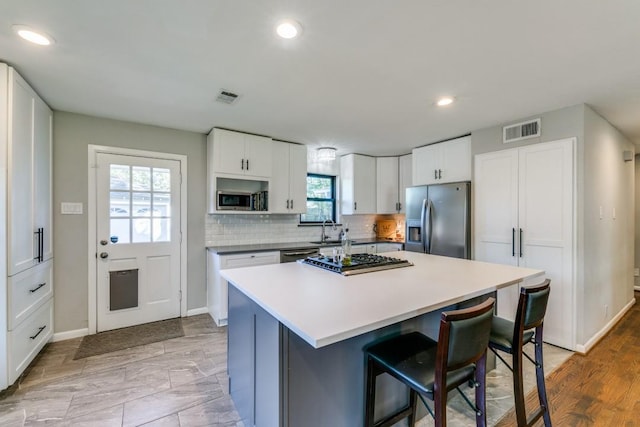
69,208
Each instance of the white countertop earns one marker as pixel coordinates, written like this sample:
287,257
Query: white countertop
324,307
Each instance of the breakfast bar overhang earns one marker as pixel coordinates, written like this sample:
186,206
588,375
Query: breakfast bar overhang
296,332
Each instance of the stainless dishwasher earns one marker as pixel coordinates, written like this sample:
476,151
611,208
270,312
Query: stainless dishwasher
293,255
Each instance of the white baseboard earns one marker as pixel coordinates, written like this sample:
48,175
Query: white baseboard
637,288
67,335
196,311
584,349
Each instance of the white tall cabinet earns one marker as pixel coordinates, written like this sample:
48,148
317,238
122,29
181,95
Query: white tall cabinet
358,184
26,295
525,215
288,191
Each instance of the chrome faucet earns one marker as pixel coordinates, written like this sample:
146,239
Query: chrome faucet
323,236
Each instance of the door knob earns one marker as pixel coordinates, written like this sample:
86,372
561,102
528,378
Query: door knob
104,255
104,242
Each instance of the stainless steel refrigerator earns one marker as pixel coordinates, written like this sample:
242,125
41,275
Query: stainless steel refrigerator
438,219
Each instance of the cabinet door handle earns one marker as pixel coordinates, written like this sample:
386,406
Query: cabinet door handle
435,174
39,332
521,243
287,203
291,203
40,244
242,166
37,287
439,173
513,242
355,206
247,164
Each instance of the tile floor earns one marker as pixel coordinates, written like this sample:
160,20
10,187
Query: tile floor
177,382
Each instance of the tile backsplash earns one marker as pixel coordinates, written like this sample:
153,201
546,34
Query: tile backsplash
225,230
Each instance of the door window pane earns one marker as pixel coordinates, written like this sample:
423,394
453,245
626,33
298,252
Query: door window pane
141,230
162,230
141,178
120,229
119,177
161,204
161,179
119,203
141,204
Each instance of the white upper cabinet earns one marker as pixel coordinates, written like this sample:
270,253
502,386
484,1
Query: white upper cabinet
238,153
29,177
405,179
393,176
358,184
448,161
387,186
288,190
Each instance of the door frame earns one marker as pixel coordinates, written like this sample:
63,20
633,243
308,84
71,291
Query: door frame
92,279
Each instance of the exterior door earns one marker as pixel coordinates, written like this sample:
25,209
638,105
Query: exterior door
138,240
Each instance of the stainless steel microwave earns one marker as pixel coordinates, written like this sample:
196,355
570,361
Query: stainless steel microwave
233,201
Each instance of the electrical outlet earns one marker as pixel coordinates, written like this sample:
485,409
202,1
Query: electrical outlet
636,272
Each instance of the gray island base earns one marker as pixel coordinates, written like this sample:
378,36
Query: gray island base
295,350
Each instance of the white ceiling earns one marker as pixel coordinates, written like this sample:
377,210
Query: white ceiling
362,77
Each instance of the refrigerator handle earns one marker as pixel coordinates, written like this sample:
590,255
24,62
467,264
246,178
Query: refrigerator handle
428,239
423,213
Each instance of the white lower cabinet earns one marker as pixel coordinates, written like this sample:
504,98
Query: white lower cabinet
28,338
217,287
388,247
27,290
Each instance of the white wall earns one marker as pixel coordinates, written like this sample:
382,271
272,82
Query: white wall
637,221
604,248
72,133
609,182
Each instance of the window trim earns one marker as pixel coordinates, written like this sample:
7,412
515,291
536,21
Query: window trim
333,199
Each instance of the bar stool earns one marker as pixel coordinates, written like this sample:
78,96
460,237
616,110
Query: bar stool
431,369
510,337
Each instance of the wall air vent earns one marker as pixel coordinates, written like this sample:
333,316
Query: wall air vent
226,97
520,131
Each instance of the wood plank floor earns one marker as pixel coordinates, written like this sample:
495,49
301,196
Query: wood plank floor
600,389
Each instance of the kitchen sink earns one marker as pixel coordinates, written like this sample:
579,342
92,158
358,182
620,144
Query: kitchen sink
331,242
327,242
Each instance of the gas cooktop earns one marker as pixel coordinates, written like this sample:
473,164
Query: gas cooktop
360,263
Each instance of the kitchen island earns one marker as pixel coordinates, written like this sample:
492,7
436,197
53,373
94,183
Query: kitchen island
296,332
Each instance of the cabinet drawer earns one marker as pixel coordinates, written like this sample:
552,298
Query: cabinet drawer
28,338
27,290
246,260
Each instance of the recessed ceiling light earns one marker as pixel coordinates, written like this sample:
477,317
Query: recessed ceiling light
288,29
445,100
33,36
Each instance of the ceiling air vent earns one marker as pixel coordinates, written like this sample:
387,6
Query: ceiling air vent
520,131
226,97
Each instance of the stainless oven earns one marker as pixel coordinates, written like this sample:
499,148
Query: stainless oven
293,255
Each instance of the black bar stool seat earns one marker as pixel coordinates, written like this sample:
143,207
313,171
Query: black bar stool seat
502,334
431,369
412,358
